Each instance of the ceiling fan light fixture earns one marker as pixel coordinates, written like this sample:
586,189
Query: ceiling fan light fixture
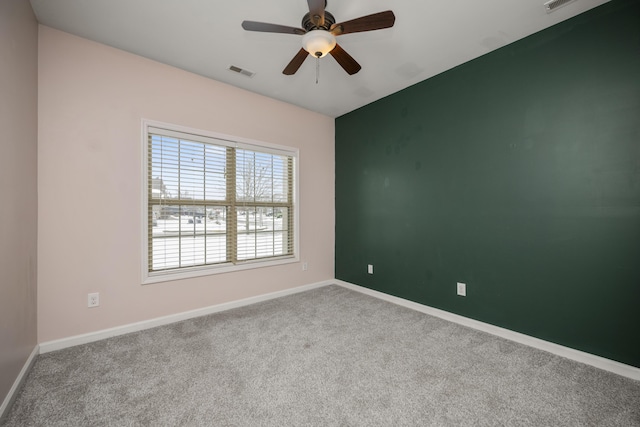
318,42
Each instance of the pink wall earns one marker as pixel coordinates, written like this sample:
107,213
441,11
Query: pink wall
18,187
91,102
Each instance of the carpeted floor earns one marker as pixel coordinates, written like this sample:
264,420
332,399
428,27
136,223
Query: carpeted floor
329,356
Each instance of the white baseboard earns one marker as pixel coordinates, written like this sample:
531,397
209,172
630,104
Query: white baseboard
13,391
570,353
49,346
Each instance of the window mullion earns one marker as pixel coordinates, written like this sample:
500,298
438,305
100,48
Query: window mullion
232,215
290,218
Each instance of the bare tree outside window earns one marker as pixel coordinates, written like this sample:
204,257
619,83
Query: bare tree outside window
255,183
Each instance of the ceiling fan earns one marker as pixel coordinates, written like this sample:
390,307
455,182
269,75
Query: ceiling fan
319,34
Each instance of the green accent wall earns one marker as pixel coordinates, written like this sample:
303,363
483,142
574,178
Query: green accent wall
517,173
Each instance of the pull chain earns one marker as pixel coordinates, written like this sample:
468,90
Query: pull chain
317,68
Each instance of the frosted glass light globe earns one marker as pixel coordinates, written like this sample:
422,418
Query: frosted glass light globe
318,42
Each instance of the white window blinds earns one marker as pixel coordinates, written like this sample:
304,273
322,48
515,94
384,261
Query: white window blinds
213,202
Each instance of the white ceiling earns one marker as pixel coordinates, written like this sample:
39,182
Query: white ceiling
205,37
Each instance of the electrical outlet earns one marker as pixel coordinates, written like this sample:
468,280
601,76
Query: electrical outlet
462,289
93,299
305,266
370,268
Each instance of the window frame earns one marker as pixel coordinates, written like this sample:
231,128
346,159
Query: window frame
149,277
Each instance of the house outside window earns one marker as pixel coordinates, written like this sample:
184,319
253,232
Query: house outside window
215,203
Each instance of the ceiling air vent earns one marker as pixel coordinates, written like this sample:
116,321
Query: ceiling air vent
241,71
552,5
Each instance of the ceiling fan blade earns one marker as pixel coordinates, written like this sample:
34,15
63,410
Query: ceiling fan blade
316,11
376,21
345,60
264,27
295,63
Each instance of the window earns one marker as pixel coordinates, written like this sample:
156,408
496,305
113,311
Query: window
215,203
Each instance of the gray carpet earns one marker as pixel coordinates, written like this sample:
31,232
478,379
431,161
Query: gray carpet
329,356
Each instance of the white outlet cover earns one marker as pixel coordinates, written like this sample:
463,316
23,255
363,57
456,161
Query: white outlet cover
93,299
370,268
462,289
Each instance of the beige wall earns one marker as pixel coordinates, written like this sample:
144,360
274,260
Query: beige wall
91,102
18,187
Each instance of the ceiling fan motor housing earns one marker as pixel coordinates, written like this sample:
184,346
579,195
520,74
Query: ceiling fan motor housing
308,22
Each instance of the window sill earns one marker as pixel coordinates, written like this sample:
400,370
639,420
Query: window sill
187,273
